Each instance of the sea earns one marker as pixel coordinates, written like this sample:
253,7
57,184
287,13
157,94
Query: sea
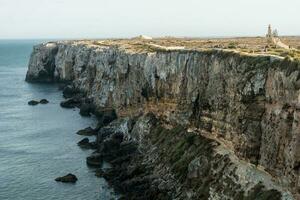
39,143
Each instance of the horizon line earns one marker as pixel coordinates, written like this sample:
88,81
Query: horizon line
157,37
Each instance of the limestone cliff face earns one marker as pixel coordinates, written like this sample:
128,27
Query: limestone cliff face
251,103
42,63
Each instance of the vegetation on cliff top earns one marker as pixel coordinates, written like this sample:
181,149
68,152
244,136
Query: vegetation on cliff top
249,45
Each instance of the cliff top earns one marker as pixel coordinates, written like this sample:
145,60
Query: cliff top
250,45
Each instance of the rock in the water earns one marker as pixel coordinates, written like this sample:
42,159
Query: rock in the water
84,142
44,101
71,103
69,178
99,173
33,103
94,160
87,132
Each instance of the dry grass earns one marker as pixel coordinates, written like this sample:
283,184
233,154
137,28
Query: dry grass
243,44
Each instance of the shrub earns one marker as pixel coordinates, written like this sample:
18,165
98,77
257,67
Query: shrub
232,45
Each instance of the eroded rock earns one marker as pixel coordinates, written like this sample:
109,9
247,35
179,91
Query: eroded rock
42,63
86,109
33,102
71,103
44,101
69,178
85,143
237,97
171,163
87,132
95,160
70,91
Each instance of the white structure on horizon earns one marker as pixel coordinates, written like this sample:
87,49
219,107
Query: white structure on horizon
143,37
273,38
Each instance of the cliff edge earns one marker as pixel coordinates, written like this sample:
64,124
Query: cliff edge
226,123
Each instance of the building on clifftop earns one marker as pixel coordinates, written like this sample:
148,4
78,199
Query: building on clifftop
273,38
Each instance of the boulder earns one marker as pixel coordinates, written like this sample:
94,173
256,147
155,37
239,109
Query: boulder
44,101
94,160
87,132
84,142
33,103
99,172
112,143
69,178
85,110
115,149
69,91
71,103
121,126
105,117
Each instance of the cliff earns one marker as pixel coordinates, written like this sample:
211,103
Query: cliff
243,110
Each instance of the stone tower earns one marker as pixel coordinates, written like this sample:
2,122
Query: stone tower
274,40
269,35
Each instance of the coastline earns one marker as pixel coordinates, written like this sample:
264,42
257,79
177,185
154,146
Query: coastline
39,143
150,146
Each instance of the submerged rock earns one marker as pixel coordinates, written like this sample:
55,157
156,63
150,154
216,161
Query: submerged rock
87,132
44,101
33,103
69,178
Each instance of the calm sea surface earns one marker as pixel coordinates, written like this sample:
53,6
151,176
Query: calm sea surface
38,143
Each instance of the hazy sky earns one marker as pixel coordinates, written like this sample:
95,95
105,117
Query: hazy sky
128,18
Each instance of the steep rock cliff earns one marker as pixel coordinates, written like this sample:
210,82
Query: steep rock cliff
249,102
175,163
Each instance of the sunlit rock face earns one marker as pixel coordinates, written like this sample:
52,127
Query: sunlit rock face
250,102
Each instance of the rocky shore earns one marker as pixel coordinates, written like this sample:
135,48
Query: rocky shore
182,124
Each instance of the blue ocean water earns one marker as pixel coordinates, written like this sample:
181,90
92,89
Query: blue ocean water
38,143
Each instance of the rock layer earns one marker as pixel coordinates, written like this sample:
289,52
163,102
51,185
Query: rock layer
249,102
176,164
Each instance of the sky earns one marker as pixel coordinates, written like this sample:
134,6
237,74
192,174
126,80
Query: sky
36,19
